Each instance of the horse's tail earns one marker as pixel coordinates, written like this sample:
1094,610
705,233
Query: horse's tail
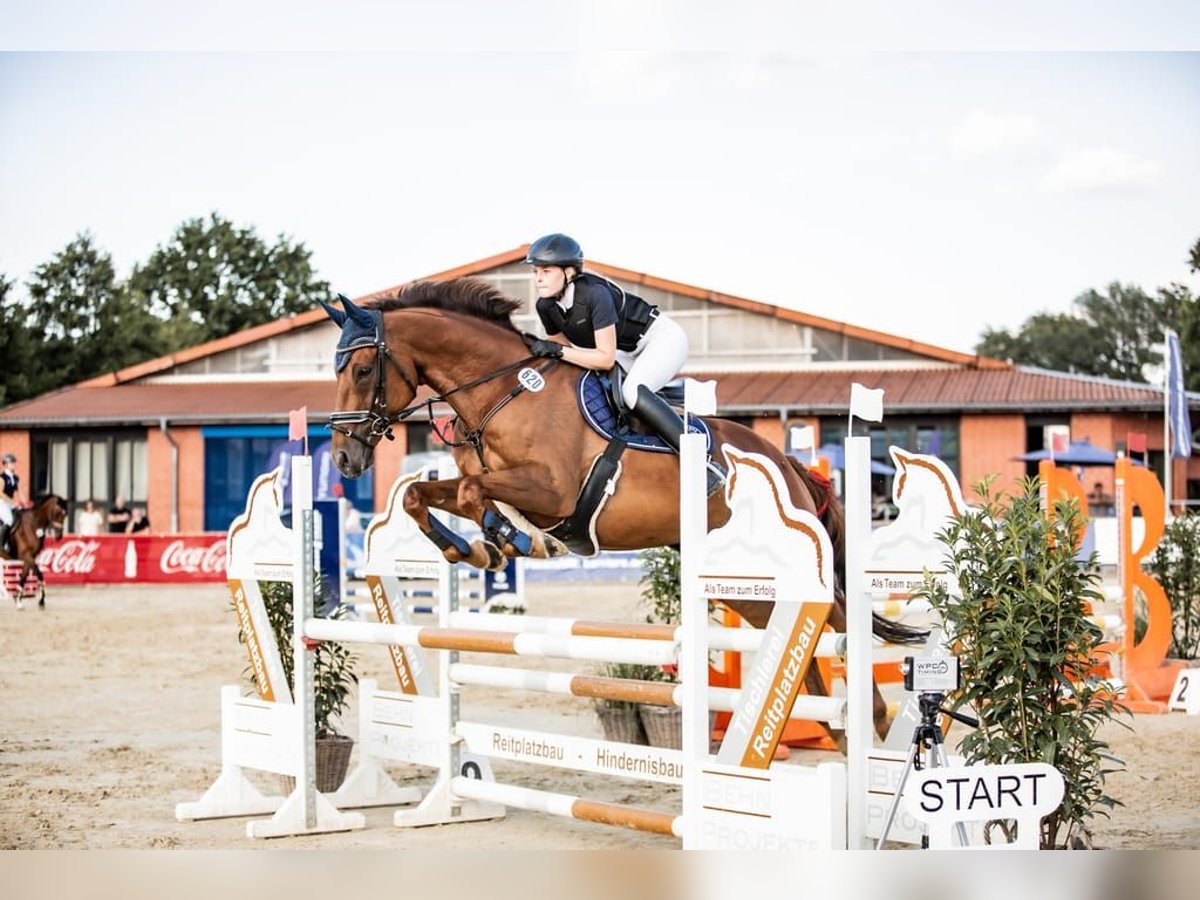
833,516
829,510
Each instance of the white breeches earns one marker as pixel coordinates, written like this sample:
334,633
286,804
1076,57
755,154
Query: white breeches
6,510
658,357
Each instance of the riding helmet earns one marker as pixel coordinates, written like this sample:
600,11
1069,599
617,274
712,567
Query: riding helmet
555,250
9,458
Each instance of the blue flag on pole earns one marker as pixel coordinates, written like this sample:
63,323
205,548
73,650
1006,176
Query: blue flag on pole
1181,423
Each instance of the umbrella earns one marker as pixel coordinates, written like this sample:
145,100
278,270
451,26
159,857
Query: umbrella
837,459
1078,453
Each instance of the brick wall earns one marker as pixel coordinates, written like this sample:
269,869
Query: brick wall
987,445
162,471
770,429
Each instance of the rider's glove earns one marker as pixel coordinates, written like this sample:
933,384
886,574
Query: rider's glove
551,349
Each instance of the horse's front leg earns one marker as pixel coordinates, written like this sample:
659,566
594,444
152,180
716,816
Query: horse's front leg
37,571
25,567
493,500
443,495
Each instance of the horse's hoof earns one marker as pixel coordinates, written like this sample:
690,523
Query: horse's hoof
20,605
496,560
555,547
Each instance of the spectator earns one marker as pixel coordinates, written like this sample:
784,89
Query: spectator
90,520
118,516
139,521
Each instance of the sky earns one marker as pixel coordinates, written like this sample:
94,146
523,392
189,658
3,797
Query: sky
930,185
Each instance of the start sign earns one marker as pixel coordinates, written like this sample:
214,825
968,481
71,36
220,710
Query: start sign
1023,792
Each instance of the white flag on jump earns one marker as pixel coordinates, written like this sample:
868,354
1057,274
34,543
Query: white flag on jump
699,397
866,403
803,437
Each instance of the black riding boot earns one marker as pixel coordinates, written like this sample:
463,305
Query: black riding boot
666,423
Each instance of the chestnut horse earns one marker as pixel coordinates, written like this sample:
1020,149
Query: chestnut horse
27,537
522,446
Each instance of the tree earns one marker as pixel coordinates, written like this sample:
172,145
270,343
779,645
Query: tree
1058,341
84,321
20,371
213,279
1115,335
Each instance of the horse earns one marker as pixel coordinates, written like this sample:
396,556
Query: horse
522,446
27,536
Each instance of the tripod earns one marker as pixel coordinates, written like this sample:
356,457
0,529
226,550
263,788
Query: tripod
928,736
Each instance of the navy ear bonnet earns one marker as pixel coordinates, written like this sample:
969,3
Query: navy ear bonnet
360,328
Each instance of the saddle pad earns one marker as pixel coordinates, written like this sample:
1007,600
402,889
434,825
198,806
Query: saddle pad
595,404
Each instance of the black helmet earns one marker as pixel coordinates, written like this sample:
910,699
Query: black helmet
555,250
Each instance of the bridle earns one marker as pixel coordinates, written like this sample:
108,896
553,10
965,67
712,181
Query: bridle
43,511
381,422
376,415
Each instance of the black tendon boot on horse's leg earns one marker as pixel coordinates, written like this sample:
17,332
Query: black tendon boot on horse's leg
658,414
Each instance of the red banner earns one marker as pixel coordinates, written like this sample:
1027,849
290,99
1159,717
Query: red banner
121,558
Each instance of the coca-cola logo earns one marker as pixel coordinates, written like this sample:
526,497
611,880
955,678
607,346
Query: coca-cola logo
177,557
70,557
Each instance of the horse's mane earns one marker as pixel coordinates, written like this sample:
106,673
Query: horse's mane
461,295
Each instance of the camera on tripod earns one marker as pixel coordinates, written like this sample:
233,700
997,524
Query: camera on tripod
931,674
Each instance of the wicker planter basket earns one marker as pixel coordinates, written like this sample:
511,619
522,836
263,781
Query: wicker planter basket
621,722
333,759
664,726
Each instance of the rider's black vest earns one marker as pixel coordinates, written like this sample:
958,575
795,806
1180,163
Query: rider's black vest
634,314
11,481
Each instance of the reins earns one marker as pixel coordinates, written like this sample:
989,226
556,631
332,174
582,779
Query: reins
381,422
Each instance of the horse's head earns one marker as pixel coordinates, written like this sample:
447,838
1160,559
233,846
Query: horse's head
50,515
364,409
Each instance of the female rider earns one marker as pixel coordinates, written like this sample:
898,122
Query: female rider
594,324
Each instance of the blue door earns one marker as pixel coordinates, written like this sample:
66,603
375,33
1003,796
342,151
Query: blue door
234,455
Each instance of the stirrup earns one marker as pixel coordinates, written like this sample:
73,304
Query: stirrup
715,477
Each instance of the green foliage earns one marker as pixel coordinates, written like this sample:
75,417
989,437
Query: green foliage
84,320
661,591
18,375
333,663
78,320
1115,335
213,278
1022,630
661,584
634,672
1176,566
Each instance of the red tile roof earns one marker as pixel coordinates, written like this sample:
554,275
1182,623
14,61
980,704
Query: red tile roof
819,392
949,389
306,319
961,382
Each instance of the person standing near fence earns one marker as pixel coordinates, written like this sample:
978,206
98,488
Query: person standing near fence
89,521
10,496
118,516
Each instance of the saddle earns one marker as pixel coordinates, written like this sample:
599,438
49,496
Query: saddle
604,410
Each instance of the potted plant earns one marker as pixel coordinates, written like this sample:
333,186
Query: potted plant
333,680
663,724
1176,566
619,719
1028,649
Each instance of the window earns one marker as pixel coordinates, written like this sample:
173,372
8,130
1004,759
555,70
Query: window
933,437
96,466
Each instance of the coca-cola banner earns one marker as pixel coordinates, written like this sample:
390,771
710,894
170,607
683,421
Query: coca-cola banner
117,558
